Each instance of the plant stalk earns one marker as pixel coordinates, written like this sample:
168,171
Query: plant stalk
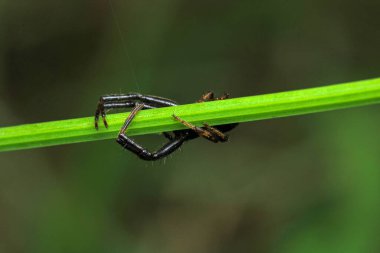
241,109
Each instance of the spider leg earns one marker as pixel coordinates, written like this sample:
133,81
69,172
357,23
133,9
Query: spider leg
144,154
206,97
102,107
216,132
209,96
126,101
200,131
224,96
131,116
149,99
168,136
128,143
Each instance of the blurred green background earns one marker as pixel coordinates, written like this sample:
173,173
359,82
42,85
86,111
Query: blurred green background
298,184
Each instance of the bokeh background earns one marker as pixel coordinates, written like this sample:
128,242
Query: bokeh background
299,184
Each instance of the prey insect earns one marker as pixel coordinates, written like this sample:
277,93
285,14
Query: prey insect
175,138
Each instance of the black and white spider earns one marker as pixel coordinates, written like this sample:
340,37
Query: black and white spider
175,138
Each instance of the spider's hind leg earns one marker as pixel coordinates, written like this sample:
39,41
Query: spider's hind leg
209,96
222,137
209,135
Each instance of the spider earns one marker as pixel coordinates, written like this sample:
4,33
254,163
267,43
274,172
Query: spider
175,138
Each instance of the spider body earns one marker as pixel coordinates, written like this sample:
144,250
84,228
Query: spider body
175,138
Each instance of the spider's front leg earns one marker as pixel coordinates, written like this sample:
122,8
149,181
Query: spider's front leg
144,154
111,102
100,110
173,144
129,100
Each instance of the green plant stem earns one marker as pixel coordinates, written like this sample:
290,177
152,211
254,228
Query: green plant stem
214,113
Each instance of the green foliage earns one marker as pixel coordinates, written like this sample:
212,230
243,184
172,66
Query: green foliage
214,113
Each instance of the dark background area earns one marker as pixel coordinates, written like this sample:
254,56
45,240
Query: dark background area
299,184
